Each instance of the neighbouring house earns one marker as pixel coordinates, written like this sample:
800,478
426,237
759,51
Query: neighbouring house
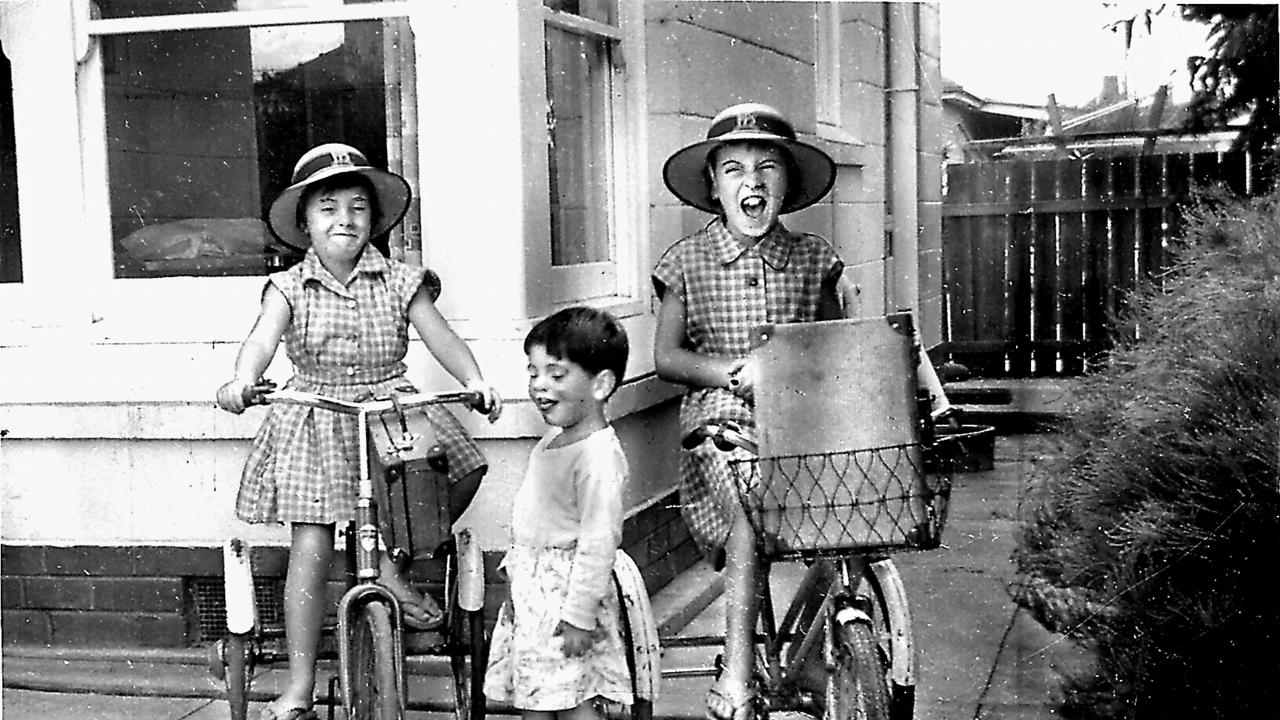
968,120
1112,124
141,139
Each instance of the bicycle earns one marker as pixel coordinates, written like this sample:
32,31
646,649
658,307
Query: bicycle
370,637
843,648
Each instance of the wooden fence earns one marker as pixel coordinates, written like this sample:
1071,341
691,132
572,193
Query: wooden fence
1039,256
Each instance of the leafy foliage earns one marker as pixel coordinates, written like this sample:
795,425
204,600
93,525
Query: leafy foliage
1239,80
1155,538
1242,75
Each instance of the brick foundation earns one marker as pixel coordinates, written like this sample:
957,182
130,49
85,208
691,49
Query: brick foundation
155,596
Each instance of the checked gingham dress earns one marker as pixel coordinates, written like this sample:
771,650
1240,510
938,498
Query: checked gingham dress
346,341
728,292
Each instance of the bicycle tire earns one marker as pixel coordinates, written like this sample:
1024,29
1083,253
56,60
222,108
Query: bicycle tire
375,689
859,683
902,696
468,654
237,666
640,708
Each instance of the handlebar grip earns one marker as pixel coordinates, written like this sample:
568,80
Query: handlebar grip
256,393
476,399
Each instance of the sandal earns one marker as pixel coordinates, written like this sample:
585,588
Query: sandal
419,611
723,705
422,615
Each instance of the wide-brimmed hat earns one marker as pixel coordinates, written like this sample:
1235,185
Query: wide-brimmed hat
813,171
326,161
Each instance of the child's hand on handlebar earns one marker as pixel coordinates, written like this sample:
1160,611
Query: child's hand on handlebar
236,395
491,403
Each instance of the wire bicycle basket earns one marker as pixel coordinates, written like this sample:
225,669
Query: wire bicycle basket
836,502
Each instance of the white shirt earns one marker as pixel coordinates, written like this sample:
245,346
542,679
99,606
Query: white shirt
571,497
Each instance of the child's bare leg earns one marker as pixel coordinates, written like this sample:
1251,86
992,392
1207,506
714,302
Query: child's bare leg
305,603
728,695
585,711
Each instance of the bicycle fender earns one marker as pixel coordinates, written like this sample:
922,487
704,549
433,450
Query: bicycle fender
634,601
470,572
237,578
903,671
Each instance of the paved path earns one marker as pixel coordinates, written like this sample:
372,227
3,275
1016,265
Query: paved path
981,658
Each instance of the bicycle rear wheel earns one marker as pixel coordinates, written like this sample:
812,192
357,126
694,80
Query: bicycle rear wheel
467,658
641,708
859,685
375,684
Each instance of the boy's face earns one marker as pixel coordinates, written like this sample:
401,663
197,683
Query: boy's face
566,394
749,180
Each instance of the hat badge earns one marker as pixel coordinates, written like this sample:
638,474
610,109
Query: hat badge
341,157
747,121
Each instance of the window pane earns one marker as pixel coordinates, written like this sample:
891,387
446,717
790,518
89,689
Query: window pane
145,8
204,127
599,10
10,237
578,125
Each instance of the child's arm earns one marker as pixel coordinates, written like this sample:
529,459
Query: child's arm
598,484
450,350
257,350
676,363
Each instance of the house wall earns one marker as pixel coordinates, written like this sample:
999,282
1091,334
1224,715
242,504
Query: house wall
119,474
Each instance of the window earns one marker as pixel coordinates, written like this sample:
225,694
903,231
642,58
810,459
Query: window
10,235
207,111
588,145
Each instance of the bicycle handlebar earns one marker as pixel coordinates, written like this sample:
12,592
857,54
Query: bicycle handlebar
725,437
406,401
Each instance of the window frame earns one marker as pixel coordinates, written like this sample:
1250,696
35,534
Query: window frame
614,283
827,64
828,77
129,305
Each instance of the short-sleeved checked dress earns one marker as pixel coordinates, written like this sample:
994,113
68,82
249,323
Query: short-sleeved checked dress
728,291
346,341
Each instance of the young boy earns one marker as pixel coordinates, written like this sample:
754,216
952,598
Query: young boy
557,649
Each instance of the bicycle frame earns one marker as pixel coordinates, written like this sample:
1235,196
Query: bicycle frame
366,550
832,591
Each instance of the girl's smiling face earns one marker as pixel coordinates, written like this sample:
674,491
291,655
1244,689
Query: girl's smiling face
338,222
750,181
566,394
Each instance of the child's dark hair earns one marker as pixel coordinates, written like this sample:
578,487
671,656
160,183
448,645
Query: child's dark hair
591,338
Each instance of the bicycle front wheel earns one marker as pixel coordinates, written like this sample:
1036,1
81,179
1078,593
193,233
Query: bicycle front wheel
858,688
375,684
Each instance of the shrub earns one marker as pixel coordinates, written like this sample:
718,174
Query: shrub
1155,539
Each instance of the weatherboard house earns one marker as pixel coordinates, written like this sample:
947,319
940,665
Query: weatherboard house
140,142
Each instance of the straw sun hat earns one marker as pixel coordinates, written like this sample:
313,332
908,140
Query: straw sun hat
326,161
813,171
